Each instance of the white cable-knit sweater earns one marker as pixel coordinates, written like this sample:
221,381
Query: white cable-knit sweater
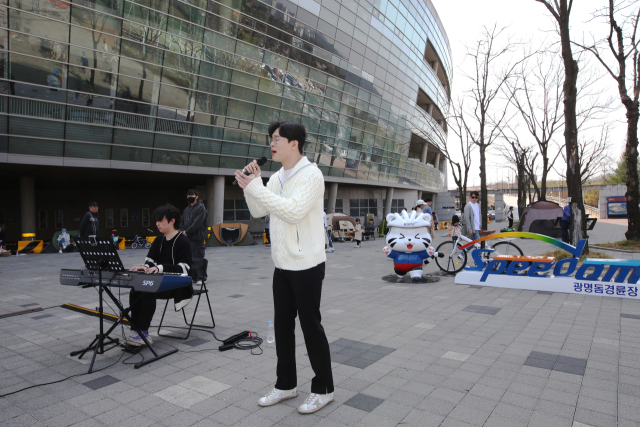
297,230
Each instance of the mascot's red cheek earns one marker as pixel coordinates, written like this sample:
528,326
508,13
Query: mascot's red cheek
409,246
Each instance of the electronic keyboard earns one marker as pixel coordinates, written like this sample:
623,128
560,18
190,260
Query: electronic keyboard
139,281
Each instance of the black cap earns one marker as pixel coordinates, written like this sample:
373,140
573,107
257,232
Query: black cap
91,204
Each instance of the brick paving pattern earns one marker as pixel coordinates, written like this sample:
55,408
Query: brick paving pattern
435,354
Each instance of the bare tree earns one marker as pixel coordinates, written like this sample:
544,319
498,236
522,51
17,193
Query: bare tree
536,92
459,169
622,19
531,168
594,155
561,11
484,116
460,172
516,155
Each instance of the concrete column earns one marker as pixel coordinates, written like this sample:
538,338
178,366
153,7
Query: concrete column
209,195
218,199
333,194
28,205
437,164
387,208
423,156
430,109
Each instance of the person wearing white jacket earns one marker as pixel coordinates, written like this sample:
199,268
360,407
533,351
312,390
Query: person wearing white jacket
294,197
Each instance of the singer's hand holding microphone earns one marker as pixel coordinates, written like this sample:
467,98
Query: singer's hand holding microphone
242,177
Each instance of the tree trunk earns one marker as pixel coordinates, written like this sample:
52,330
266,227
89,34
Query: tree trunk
574,179
522,190
483,187
633,192
542,195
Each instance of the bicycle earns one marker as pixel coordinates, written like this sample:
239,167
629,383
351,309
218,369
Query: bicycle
454,259
140,241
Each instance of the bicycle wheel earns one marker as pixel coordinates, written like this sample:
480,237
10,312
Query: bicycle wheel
505,248
147,245
134,246
452,262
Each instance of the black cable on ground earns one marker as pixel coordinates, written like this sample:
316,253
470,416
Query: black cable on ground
64,379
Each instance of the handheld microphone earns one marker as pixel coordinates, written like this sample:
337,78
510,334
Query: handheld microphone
261,161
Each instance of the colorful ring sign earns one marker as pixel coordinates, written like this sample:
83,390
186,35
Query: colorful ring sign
592,277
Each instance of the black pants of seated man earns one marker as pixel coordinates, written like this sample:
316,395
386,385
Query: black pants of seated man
143,304
298,293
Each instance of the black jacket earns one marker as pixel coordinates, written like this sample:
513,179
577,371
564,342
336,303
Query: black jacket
194,221
170,256
89,225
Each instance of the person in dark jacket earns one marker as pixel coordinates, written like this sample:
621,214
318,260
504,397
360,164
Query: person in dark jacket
89,224
194,223
169,253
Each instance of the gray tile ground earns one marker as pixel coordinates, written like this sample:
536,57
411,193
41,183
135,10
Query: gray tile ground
539,360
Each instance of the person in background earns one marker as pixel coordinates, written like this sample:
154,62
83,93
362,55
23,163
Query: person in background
64,240
510,216
326,230
455,229
419,206
89,223
357,236
565,222
472,216
370,228
267,222
194,223
427,208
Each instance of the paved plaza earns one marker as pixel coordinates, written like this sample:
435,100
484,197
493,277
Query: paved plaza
435,354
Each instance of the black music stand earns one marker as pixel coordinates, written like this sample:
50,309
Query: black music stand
99,254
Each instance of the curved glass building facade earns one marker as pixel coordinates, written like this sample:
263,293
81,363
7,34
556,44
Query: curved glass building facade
191,85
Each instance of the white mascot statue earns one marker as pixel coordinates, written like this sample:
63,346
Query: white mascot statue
409,243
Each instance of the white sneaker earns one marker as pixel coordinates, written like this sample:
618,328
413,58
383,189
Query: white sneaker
182,304
315,402
60,251
277,396
330,250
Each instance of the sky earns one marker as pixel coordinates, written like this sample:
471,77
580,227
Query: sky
526,20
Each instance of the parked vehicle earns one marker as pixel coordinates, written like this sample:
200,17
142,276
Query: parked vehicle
141,242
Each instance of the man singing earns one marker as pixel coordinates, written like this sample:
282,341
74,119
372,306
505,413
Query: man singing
294,199
169,253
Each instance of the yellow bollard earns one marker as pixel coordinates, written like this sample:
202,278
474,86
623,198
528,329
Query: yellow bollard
121,245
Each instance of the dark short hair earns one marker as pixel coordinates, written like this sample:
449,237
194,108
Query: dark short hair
291,130
92,204
168,211
370,219
427,200
192,192
357,219
475,193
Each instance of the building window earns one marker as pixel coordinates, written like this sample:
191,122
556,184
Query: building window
42,220
236,210
145,217
59,218
339,205
362,207
124,217
109,215
397,205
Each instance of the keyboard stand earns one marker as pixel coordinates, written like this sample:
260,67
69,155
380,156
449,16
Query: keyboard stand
102,256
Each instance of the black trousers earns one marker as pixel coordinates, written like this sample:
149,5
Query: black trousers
564,229
266,230
298,293
143,304
197,248
510,222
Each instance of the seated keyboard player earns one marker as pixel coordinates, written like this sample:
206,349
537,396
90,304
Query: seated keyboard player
170,253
